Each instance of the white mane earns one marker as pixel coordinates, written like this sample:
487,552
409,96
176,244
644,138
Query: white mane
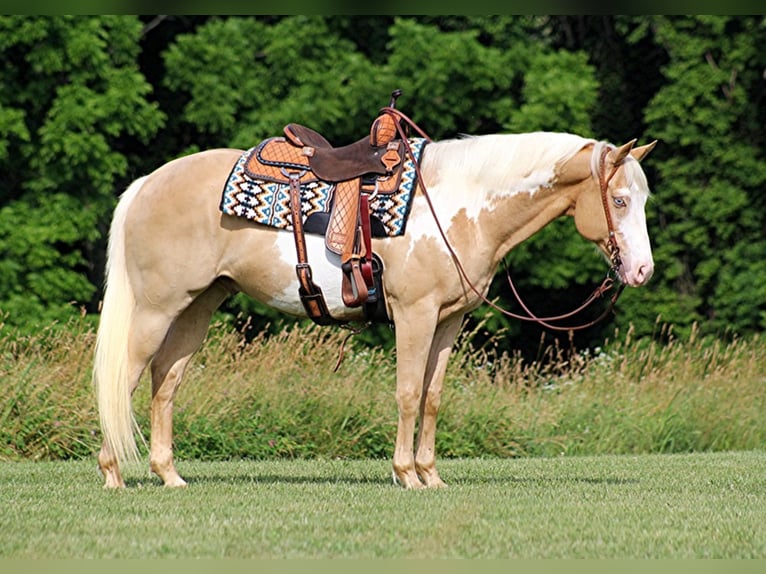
505,162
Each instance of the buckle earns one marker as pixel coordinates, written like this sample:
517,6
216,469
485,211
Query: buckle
303,267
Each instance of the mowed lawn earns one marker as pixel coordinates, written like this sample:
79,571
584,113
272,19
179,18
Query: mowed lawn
650,506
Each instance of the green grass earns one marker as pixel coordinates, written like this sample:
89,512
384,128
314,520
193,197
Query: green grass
710,505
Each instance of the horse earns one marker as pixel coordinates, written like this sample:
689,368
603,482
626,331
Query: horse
173,257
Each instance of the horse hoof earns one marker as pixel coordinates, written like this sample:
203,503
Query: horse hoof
112,477
409,481
111,482
432,479
176,482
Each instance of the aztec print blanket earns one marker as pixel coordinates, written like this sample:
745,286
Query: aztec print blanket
268,203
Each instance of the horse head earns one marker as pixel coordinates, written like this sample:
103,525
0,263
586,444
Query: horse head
610,210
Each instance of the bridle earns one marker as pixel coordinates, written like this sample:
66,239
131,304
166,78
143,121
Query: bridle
603,182
612,248
609,280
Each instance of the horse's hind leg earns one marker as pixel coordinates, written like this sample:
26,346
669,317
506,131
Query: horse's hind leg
145,334
107,461
183,339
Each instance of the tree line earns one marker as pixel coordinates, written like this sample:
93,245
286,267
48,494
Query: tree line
89,103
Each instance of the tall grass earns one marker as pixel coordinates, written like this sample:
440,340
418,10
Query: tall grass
700,394
278,397
47,408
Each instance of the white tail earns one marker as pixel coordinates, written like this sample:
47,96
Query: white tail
111,371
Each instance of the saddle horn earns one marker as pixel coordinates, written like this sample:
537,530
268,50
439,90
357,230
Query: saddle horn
394,95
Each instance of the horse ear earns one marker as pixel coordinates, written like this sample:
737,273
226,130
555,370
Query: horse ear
640,153
616,156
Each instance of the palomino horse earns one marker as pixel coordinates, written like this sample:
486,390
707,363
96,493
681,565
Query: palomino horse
173,258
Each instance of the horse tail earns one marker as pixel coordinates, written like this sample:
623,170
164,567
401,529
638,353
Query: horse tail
111,369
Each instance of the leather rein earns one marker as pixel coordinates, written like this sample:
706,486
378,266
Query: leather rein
614,251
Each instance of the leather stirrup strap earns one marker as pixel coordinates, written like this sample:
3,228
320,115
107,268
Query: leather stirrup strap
310,293
354,287
364,217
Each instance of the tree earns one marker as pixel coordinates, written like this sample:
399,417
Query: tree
82,101
242,79
710,213
71,99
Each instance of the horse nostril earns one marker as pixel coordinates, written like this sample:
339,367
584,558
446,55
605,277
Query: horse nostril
644,273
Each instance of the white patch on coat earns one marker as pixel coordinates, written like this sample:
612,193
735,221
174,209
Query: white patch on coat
326,273
472,174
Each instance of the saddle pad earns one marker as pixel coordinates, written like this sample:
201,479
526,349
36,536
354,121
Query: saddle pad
268,202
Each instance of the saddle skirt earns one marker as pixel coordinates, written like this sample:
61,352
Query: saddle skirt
274,158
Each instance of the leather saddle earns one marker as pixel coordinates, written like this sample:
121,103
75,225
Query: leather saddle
307,151
371,165
371,154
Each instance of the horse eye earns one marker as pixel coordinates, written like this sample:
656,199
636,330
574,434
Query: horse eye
619,202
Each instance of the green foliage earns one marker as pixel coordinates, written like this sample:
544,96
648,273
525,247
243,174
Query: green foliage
710,212
38,277
88,103
559,94
243,80
443,89
72,96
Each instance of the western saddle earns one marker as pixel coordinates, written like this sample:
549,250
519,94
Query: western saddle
372,165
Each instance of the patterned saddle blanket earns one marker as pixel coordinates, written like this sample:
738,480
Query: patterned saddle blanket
255,196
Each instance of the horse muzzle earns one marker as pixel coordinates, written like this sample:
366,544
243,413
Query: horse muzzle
636,274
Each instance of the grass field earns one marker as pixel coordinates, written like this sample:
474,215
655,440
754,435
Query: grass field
645,506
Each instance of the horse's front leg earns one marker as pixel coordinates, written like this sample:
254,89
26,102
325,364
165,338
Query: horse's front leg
414,335
425,454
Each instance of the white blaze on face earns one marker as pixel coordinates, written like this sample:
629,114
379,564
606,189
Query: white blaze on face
636,250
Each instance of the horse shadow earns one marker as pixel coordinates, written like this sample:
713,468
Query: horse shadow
382,479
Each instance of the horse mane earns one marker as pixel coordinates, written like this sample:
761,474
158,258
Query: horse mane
506,162
520,162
